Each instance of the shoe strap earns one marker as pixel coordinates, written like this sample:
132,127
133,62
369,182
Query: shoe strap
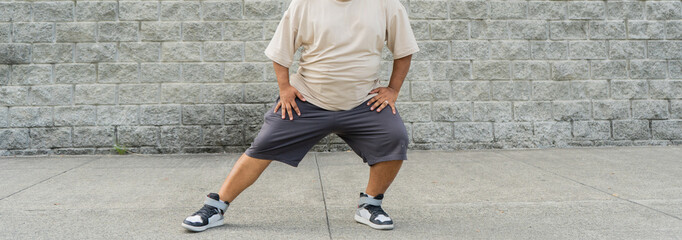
215,203
369,200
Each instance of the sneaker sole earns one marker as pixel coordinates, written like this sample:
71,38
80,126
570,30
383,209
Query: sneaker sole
371,224
199,229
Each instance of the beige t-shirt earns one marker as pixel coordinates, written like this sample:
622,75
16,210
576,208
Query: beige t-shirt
342,43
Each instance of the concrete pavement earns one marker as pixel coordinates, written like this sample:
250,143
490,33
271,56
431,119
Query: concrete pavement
577,193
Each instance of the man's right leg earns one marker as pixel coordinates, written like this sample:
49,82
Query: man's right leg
244,173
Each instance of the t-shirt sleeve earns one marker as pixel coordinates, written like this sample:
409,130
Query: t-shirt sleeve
285,41
399,37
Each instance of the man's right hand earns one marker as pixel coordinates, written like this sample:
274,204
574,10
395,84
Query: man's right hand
287,96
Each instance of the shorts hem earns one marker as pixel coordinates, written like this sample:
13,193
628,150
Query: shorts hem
273,158
400,156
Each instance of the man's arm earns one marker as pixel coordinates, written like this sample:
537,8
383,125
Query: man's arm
388,95
287,93
400,69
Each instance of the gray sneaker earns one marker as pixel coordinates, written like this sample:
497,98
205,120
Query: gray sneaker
370,213
210,215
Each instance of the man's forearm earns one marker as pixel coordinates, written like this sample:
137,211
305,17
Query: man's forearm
282,74
400,68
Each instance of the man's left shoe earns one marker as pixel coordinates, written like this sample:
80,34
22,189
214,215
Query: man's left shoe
370,213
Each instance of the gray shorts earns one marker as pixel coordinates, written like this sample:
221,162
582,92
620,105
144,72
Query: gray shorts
374,136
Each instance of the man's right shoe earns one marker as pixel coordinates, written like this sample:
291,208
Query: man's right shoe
210,215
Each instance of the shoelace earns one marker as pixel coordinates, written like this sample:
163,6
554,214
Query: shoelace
207,211
375,210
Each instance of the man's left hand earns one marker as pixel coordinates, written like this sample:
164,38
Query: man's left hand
386,97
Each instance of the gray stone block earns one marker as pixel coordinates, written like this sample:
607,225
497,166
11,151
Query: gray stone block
607,30
489,29
643,69
117,31
136,136
530,70
625,10
223,51
419,71
75,31
53,137
117,73
650,109
491,70
552,131
15,53
492,112
451,111
75,73
4,117
665,89
611,109
246,113
631,129
95,52
15,11
571,110
671,129
202,114
429,9
673,29
508,10
513,131
180,11
607,69
253,52
511,50
664,49
75,116
260,92
570,70
473,132
14,95
432,50
547,10
93,136
664,10
628,89
229,135
420,29
50,95
244,72
676,109
590,89
476,9
33,74
414,112
180,93
243,31
17,138
262,9
96,11
550,90
533,111
138,93
586,10
180,136
52,52
638,29
430,90
160,31
160,114
471,91
118,115
32,32
627,49
549,50
559,30
53,11
30,117
222,93
470,49
592,130
432,132
201,31
4,74
511,90
139,52
181,51
95,94
529,29
222,10
587,50
138,11
449,29
160,72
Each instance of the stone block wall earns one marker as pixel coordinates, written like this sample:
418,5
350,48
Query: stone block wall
190,76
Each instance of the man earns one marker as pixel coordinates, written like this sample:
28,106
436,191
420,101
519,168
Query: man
335,90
